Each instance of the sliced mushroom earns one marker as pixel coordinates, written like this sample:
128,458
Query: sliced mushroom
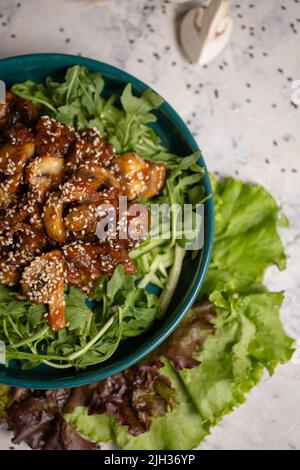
85,257
43,282
3,112
7,110
44,173
9,188
27,111
29,242
87,262
83,219
18,134
17,110
53,218
13,157
156,181
139,178
52,137
87,145
21,244
134,173
9,275
29,207
86,180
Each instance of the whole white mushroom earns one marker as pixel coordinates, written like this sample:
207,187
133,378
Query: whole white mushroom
205,31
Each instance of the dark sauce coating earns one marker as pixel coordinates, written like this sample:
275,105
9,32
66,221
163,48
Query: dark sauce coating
54,183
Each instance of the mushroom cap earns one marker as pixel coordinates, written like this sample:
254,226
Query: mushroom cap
205,31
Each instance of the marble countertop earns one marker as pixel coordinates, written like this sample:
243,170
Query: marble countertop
239,108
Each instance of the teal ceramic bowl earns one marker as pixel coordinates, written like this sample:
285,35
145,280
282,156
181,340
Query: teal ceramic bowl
176,136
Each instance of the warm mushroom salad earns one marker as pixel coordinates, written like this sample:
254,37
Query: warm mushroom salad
74,266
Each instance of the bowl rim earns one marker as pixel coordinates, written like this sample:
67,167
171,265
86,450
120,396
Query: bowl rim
164,331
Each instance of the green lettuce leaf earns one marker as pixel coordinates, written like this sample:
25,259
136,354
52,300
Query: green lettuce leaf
246,239
248,338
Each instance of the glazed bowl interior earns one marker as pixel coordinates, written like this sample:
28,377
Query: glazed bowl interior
177,138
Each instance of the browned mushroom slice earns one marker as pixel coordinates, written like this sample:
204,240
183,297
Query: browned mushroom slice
110,195
85,217
19,247
134,173
7,111
17,110
44,173
86,180
156,181
13,157
27,111
139,178
9,188
9,275
104,258
53,218
89,145
85,257
56,318
82,219
52,137
86,263
13,215
78,277
110,258
27,207
29,242
43,282
18,134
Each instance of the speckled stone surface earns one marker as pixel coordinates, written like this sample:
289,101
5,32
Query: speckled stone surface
240,109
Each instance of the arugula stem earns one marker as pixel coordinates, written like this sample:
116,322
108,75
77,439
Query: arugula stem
73,80
5,330
14,326
127,131
40,334
30,356
39,101
57,366
92,341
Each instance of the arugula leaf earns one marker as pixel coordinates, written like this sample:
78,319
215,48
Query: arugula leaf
140,106
78,314
74,101
137,307
37,93
35,314
139,311
115,283
5,295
